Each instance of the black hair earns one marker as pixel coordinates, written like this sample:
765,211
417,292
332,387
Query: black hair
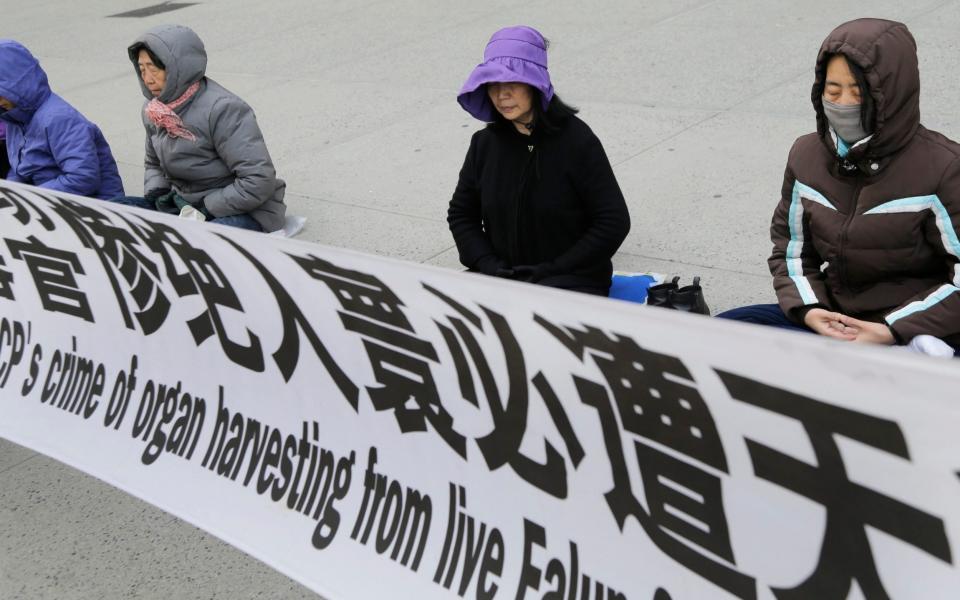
549,120
868,106
135,52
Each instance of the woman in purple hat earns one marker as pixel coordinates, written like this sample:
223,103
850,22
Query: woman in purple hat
537,200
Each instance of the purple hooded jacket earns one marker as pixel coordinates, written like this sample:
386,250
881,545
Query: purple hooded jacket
49,143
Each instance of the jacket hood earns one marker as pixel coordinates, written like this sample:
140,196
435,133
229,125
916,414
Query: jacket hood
22,81
183,56
887,54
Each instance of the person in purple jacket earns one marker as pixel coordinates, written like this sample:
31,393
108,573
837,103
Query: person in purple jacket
48,142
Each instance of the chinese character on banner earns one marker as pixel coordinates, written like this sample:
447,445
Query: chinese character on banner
288,354
22,207
509,410
6,282
400,359
54,273
845,554
193,271
119,253
653,400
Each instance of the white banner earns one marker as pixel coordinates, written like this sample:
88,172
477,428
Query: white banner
379,429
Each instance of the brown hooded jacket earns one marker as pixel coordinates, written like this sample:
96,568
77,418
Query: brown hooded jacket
884,218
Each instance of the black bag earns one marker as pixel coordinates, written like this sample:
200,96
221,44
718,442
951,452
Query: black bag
688,298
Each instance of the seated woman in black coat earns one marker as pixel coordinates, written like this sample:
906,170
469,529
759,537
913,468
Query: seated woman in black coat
537,200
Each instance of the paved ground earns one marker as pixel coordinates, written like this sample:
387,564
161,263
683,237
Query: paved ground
696,102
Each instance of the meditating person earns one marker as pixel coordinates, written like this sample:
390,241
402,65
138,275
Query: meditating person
205,154
865,235
48,142
537,199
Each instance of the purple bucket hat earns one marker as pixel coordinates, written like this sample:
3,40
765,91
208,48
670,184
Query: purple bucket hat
512,54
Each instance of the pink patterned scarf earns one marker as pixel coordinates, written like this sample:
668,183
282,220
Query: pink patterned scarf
162,115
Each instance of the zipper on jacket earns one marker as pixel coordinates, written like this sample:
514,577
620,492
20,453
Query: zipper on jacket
518,204
846,228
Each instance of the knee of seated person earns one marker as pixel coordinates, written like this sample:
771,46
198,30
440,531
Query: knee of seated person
244,221
739,313
135,201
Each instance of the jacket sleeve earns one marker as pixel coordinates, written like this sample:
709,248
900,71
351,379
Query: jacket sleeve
606,210
465,218
153,175
936,311
74,148
12,173
795,264
240,145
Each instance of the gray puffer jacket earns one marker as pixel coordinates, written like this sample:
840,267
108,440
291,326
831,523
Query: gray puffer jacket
228,166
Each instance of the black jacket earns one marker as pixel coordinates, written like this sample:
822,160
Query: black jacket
548,200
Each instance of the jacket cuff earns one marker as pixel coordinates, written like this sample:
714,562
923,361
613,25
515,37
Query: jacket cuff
489,265
202,207
154,193
155,181
210,203
898,336
800,313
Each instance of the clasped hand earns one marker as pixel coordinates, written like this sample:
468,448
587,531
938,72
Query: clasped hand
843,327
528,273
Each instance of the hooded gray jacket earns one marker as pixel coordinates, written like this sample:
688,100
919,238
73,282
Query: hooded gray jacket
228,166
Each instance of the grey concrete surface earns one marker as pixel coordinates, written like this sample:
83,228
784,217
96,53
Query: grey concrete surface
696,102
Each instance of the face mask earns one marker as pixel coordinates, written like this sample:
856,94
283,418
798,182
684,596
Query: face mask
845,120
